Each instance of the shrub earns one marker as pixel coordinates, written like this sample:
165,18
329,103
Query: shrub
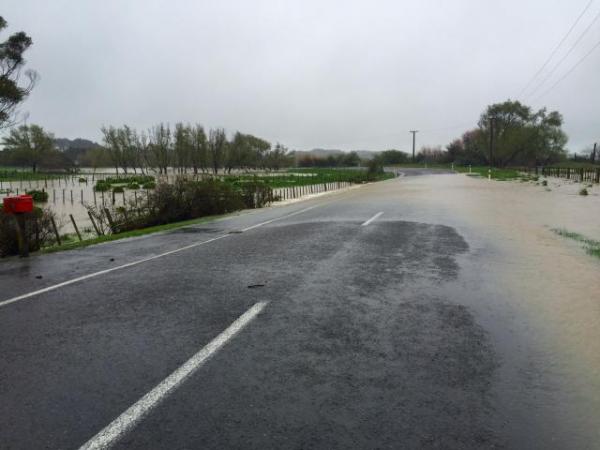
140,179
38,196
583,191
184,200
118,189
101,186
38,228
149,185
133,185
83,180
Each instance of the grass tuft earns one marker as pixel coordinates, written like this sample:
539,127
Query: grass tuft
591,246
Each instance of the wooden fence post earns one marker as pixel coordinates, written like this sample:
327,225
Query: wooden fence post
98,233
111,224
75,226
55,230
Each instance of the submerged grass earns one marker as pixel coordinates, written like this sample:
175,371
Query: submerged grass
308,176
12,174
591,246
496,173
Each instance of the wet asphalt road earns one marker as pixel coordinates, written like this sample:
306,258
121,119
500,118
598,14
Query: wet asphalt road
369,338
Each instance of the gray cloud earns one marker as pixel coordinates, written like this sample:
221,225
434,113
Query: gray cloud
337,74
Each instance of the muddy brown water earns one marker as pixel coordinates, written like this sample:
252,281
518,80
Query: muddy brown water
535,292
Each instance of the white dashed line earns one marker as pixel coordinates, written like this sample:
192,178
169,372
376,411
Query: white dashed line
127,420
140,261
372,219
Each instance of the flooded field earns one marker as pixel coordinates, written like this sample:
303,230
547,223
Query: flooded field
71,195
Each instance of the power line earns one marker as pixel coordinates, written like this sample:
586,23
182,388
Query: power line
549,74
556,48
569,71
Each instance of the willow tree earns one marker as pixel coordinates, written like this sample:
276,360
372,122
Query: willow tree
518,135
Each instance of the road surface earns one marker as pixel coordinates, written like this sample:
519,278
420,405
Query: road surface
399,314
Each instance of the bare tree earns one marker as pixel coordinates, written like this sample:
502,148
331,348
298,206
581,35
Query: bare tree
160,146
199,149
217,146
182,147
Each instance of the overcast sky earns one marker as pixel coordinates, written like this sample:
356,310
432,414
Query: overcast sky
330,74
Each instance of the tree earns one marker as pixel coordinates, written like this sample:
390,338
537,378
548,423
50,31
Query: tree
521,136
433,155
199,149
278,157
30,145
394,157
182,146
217,148
113,147
95,157
11,64
160,146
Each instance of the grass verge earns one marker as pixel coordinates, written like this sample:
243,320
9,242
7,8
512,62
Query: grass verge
591,246
133,233
497,174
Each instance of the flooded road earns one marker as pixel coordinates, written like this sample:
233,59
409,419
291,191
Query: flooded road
536,293
431,311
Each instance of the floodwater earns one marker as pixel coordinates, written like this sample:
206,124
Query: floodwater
68,196
535,292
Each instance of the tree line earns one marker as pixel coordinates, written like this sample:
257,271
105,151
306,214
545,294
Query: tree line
183,148
189,147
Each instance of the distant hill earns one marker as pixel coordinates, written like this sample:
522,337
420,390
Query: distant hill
75,149
324,153
64,144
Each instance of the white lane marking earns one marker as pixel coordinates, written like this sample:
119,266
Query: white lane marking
105,271
107,437
279,218
140,261
372,219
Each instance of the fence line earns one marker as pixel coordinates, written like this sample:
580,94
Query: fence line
591,174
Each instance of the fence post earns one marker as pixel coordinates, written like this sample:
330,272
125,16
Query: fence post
55,229
75,226
111,224
94,224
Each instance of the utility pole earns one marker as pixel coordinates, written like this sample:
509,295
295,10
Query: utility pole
593,157
491,156
414,132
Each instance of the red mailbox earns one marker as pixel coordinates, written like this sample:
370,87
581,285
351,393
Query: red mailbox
18,204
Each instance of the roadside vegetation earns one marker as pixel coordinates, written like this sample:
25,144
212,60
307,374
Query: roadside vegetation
591,246
70,242
39,231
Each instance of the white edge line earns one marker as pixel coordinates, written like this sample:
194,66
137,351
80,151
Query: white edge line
279,218
372,219
140,261
102,272
108,436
